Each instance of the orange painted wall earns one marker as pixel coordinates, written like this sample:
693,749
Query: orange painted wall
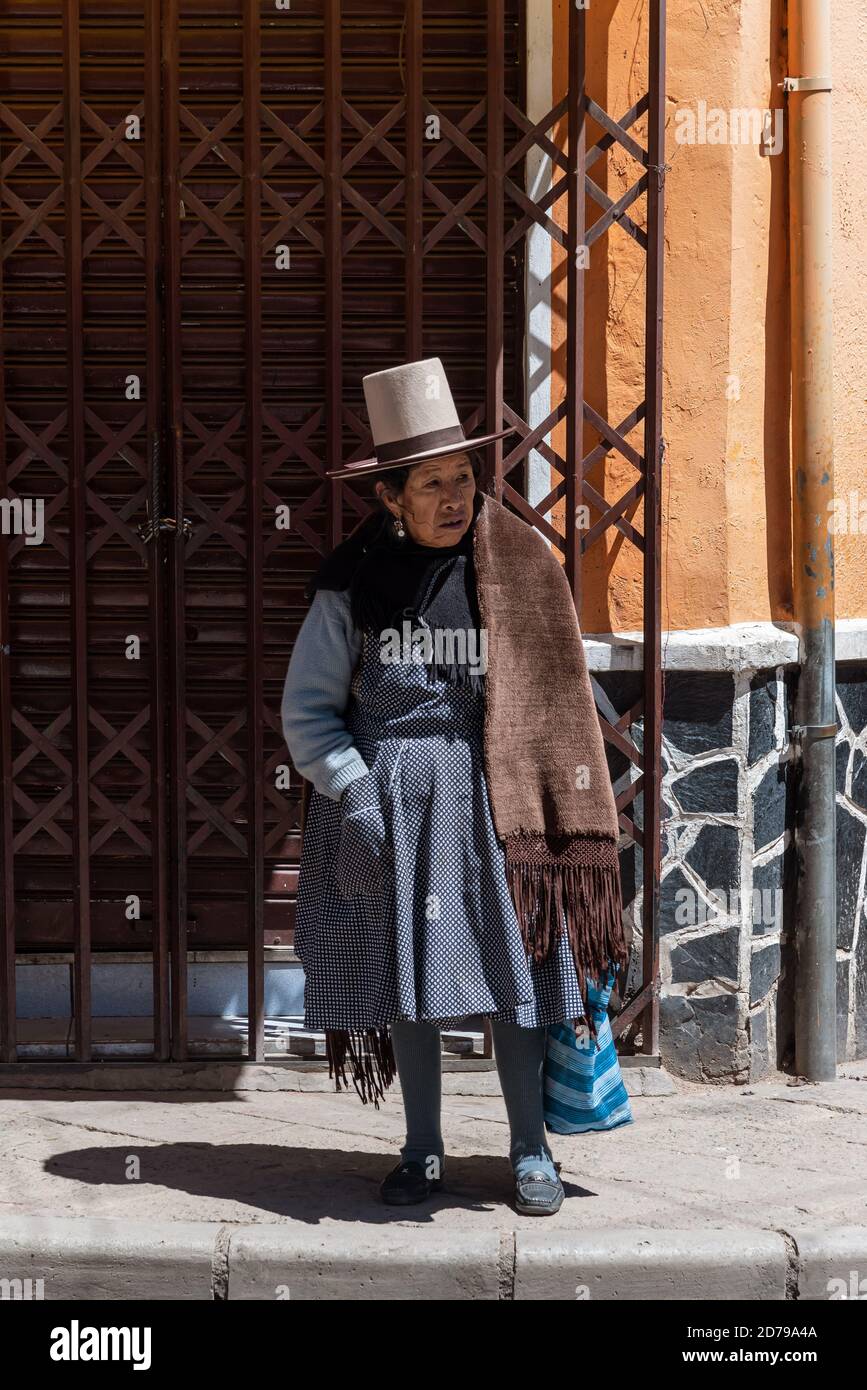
726,486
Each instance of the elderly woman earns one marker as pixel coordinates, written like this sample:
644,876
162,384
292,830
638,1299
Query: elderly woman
459,855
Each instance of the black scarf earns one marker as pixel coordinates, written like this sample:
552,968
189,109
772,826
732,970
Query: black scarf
391,580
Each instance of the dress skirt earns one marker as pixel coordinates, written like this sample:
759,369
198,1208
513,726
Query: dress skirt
425,929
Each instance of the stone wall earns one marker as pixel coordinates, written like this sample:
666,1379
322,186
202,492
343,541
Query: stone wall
728,883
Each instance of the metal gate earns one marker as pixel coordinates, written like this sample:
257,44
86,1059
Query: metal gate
216,216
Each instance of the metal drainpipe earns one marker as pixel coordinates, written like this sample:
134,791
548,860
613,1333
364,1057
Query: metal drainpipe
809,131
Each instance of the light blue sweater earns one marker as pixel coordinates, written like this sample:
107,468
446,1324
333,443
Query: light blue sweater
316,693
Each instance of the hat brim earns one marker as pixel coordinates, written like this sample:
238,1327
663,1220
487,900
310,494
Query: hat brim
365,467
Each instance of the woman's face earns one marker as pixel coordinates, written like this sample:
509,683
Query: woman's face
436,504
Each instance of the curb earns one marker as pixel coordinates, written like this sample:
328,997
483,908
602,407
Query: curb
100,1258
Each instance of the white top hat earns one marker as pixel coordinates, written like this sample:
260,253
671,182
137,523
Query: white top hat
412,418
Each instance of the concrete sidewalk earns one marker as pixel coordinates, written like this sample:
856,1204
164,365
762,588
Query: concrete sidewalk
753,1192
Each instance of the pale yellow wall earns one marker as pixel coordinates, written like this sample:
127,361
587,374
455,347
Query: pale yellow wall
726,491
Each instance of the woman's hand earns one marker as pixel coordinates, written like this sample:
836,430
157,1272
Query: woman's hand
358,863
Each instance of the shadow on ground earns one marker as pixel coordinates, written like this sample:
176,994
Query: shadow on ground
301,1184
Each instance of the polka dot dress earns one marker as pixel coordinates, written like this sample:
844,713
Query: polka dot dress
404,910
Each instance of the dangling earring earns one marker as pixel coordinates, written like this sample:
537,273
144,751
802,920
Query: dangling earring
398,527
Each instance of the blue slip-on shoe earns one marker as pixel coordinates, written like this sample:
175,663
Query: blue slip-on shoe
538,1189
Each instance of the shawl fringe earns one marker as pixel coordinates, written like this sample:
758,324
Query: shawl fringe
457,675
371,1060
586,896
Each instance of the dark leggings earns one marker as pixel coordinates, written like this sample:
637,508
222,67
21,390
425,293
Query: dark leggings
519,1054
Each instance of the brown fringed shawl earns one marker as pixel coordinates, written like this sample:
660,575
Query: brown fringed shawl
544,754
546,770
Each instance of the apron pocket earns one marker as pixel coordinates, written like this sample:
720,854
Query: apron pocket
361,842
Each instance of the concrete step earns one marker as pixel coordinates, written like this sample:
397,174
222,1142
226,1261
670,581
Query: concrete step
98,1258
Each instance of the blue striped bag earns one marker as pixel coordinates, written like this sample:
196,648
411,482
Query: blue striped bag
582,1083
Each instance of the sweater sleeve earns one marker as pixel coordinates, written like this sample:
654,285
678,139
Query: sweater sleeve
316,693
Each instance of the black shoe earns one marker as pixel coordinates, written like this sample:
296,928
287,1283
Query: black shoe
408,1183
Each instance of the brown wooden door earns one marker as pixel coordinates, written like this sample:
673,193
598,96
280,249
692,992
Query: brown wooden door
85,847
216,216
215,220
